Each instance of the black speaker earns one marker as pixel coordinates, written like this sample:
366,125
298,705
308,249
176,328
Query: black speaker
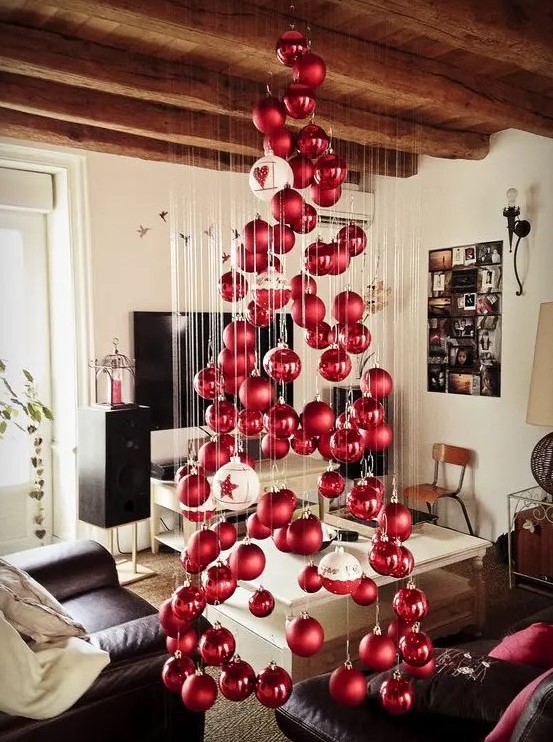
380,458
114,465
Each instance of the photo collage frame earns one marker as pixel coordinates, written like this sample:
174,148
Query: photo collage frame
464,319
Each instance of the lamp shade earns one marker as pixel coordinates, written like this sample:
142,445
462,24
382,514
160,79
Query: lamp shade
540,400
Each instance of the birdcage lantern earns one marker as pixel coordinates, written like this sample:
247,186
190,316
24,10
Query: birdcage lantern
114,378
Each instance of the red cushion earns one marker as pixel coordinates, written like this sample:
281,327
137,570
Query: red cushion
505,726
531,646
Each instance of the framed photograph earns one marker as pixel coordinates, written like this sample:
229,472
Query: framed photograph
463,304
489,253
458,257
439,307
488,304
470,255
439,260
437,375
440,283
439,331
489,342
490,381
464,281
489,279
459,383
461,356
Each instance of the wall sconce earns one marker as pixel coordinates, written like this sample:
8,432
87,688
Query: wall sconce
519,227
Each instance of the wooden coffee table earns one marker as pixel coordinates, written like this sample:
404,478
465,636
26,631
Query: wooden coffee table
455,602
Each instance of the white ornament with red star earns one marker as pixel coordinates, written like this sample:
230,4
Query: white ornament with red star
235,485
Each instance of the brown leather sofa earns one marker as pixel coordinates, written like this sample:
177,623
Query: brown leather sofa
128,702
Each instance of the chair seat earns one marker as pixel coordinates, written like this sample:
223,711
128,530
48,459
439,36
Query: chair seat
426,492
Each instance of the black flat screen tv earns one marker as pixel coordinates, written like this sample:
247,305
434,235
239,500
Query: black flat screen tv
169,349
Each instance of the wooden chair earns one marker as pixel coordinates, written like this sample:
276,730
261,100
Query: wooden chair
431,493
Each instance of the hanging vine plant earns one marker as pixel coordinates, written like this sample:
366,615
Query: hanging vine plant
26,412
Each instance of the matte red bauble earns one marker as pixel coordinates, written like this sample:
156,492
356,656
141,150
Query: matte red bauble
347,445
226,533
247,260
259,316
185,643
261,603
239,335
216,645
256,393
274,448
318,336
405,565
353,337
397,628
303,170
305,535
348,307
416,648
396,695
218,583
203,546
221,416
237,679
250,422
366,592
256,235
287,205
304,635
353,238
340,572
312,141
377,651
268,114
331,484
283,238
303,444
199,692
234,364
290,46
396,521
424,671
317,418
247,561
366,412
175,671
302,284
211,456
281,420
309,69
170,624
193,568
309,578
187,468
330,170
383,556
299,100
208,382
307,221
325,197
377,381
308,311
282,364
318,258
280,539
364,501
274,509
256,529
410,604
340,260
280,141
233,286
187,602
347,685
379,437
273,686
334,364
193,490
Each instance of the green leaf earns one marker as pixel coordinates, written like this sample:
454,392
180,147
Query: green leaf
3,427
35,412
47,412
2,366
28,376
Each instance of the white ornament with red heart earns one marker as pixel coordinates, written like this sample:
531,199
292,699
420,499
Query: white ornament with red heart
268,175
340,572
235,486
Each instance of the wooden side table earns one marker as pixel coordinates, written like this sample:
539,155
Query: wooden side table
530,538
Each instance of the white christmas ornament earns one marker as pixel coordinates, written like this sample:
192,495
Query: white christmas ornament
201,513
235,485
268,175
340,572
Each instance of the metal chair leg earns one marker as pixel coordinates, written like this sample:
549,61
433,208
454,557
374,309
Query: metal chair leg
464,509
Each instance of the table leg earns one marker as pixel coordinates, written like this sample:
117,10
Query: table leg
154,522
477,583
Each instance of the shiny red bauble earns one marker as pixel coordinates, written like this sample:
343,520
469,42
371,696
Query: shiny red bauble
396,695
256,529
301,284
354,337
348,307
283,238
226,533
259,316
377,651
379,437
256,393
416,648
326,197
304,635
377,381
250,422
366,592
185,643
303,444
330,170
299,101
175,671
303,170
274,509
308,311
261,603
318,336
364,501
274,448
318,258
273,686
307,221
187,602
193,490
317,418
188,468
405,565
233,384
233,286
305,535
347,685
290,47
353,238
256,235
189,566
424,671
396,521
340,260
347,445
199,692
268,114
309,579
282,364
212,455
280,539
208,382
366,412
239,335
249,261
397,628
280,141
203,546
383,556
236,363
237,679
410,604
310,69
331,484
216,645
221,416
171,625
218,583
247,561
312,141
287,205
281,420
334,364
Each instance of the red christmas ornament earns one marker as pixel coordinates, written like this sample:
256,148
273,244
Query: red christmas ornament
318,336
226,533
185,643
398,628
317,418
280,141
309,69
287,205
193,490
406,563
175,671
303,444
309,578
282,364
217,645
303,170
211,456
308,311
188,468
256,235
376,651
258,316
353,238
331,484
273,686
347,445
383,555
199,515
290,46
364,501
274,509
199,692
281,420
397,695
379,437
366,412
233,384
234,364
250,422
302,284
261,603
377,381
340,259
218,583
304,635
354,337
256,393
203,546
299,101
326,197
170,624
330,170
424,671
340,572
239,335
237,679
268,114
233,286
347,685
410,604
280,539
221,416
247,561
366,592
348,307
283,238
319,258
305,535
396,521
187,602
256,529
312,141
334,364
249,261
274,448
307,221
193,568
208,382
416,648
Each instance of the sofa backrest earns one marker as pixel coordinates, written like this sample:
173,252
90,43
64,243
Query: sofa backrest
536,721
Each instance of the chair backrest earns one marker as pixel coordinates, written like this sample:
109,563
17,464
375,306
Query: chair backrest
446,454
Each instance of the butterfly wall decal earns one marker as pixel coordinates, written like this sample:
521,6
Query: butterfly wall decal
163,215
143,231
